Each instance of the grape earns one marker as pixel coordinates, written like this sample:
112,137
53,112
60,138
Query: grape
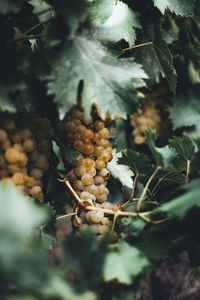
101,198
77,222
102,189
78,161
88,134
92,172
80,171
28,145
96,137
102,142
98,180
41,162
87,179
88,122
3,135
31,181
35,191
77,114
115,206
103,229
92,189
88,215
98,150
36,173
70,127
88,163
88,149
94,228
23,159
16,138
12,155
43,146
98,125
114,237
34,155
19,178
105,221
81,129
104,133
2,161
79,145
6,145
78,185
19,147
26,134
96,215
13,168
76,136
77,122
104,172
105,156
100,164
87,196
3,173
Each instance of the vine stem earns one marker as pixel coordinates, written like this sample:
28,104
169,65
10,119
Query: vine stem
146,188
188,171
137,46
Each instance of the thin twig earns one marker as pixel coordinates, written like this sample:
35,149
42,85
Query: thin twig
66,216
146,188
137,46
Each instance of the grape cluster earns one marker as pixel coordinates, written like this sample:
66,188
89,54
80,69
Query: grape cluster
24,151
150,115
90,176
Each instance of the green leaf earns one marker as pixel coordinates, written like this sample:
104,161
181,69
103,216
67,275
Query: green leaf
116,23
183,147
43,10
138,162
180,205
109,82
187,117
124,264
165,59
179,7
119,171
64,153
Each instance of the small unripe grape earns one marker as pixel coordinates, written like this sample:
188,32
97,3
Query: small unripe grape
78,185
98,180
96,215
81,129
98,150
105,221
35,191
99,125
77,222
96,137
92,189
100,164
36,173
3,135
77,122
28,145
87,179
88,149
12,155
77,114
103,229
6,145
80,171
9,124
18,178
78,145
105,156
104,133
101,198
70,127
26,134
43,146
88,163
41,162
78,161
16,138
92,172
104,172
23,160
88,134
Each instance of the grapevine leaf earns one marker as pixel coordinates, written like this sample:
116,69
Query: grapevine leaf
43,10
187,117
120,171
165,59
180,205
138,162
183,147
64,153
179,7
116,25
124,264
109,82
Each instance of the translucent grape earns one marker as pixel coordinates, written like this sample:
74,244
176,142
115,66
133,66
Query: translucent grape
87,179
78,185
88,163
104,133
12,155
28,145
100,164
96,215
80,171
99,125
